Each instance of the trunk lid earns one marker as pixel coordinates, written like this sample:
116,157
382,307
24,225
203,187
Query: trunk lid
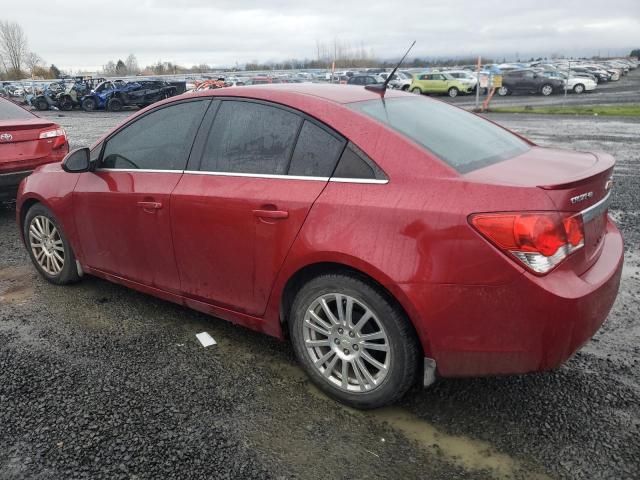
573,181
20,142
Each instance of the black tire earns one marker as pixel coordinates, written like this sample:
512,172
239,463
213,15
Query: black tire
503,91
42,105
416,90
69,272
66,104
405,88
578,88
89,104
403,348
114,105
453,92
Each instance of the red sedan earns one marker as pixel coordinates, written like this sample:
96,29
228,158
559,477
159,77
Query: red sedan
392,238
26,142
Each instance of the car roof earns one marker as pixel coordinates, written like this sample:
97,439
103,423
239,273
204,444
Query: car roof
279,92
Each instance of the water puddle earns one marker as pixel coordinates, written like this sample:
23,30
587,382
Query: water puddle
16,284
466,452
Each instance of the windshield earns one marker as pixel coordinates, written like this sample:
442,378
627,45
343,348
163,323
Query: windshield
11,111
461,139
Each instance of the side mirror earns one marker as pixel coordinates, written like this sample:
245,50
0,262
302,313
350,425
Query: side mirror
77,161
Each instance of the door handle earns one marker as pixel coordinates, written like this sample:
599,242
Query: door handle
150,206
271,214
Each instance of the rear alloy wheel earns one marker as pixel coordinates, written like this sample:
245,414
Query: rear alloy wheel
48,247
416,90
453,92
89,104
405,88
502,91
546,90
352,341
579,88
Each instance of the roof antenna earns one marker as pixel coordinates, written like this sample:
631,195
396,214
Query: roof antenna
381,89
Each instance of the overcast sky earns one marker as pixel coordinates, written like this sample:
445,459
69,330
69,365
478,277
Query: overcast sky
85,34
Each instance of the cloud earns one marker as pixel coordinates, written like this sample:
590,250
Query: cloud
225,32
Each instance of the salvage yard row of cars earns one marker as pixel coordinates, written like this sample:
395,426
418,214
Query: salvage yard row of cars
262,205
543,78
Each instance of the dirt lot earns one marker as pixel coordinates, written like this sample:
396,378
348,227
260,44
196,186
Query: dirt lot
97,381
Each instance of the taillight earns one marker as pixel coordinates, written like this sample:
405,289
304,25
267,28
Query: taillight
58,135
538,240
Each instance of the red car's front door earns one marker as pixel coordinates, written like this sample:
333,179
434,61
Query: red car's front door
123,209
236,216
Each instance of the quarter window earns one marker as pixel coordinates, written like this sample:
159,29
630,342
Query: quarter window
316,152
250,137
160,140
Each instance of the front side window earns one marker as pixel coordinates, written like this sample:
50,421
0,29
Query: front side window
249,137
160,140
461,139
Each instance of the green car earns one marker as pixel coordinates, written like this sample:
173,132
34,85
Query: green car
437,82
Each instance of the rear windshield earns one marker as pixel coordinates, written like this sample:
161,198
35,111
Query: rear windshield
462,140
11,111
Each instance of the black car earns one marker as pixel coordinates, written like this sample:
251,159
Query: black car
365,80
528,81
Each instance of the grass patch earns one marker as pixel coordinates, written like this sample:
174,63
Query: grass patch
624,110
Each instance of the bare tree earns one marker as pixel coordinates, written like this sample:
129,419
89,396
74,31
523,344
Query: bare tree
13,47
34,62
132,65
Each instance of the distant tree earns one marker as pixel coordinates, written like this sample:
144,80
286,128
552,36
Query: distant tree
13,48
132,65
635,53
109,70
33,61
54,71
121,68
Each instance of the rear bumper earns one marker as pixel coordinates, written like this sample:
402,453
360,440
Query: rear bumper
9,182
532,324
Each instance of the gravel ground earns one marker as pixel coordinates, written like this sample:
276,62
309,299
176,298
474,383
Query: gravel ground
97,381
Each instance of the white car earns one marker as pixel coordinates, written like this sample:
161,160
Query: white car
580,84
464,76
401,81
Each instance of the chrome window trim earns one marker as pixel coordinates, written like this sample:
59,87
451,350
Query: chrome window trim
375,181
256,175
251,175
21,172
596,209
138,170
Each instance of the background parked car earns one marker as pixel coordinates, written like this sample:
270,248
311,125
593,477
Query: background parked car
26,142
529,81
465,76
439,82
365,80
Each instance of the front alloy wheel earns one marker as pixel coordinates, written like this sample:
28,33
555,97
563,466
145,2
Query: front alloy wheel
48,247
546,90
353,340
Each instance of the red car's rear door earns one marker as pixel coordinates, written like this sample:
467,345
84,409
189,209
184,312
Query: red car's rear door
123,209
236,213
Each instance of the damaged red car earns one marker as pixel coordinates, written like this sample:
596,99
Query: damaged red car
26,142
392,239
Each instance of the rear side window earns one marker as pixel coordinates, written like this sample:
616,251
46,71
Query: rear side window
250,137
355,164
11,111
461,139
160,140
316,152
